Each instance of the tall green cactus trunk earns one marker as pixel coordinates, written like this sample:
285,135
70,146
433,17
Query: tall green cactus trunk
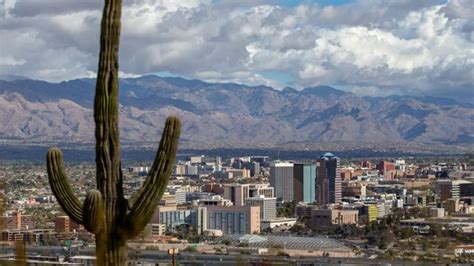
105,211
109,179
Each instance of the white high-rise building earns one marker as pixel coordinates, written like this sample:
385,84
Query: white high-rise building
281,178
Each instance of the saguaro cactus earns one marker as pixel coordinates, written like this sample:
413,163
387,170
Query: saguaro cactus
105,211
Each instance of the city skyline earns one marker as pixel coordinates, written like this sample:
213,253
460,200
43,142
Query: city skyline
381,203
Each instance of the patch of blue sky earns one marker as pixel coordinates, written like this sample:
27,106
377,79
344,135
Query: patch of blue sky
279,76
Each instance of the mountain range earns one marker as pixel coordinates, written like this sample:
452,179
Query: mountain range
227,113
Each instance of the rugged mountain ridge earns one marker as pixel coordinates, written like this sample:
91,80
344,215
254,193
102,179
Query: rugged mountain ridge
230,113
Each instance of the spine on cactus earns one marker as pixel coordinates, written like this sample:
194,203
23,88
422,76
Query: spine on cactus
61,187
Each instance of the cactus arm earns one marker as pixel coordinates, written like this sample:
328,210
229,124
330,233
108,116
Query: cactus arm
93,212
134,197
155,184
60,185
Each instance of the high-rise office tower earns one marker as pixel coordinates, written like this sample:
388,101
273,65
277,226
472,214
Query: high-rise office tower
304,182
281,178
322,186
328,181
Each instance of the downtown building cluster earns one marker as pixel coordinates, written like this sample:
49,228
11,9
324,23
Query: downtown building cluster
253,194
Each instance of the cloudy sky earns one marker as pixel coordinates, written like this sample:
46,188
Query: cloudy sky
366,46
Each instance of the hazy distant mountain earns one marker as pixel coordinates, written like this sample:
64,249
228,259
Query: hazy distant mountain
230,113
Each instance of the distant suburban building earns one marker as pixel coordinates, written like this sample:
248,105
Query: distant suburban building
16,220
446,189
179,170
64,224
139,170
385,166
237,173
31,236
366,164
216,188
387,169
353,189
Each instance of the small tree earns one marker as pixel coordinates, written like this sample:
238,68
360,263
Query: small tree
436,230
406,232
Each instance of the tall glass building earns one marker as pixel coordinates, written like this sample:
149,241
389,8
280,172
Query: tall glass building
304,182
328,182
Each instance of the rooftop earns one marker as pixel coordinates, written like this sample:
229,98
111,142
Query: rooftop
289,242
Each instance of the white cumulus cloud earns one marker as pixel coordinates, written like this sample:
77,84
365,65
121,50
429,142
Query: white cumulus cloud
371,47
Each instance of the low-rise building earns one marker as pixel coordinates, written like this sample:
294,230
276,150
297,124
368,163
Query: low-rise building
171,217
234,219
464,250
419,226
16,221
64,224
277,222
237,173
353,189
328,217
168,200
158,229
451,189
452,205
369,212
304,210
215,200
30,236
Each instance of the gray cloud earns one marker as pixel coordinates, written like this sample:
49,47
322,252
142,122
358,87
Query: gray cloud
28,8
373,47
